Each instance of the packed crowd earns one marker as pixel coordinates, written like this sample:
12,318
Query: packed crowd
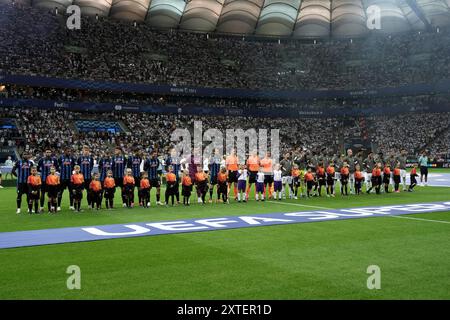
42,128
37,42
56,129
8,137
412,132
440,147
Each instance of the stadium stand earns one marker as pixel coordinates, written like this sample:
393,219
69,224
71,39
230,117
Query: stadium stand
148,131
141,54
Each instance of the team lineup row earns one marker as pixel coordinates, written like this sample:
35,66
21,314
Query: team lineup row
52,176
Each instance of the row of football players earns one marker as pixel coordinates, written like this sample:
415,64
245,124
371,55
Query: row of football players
98,190
313,182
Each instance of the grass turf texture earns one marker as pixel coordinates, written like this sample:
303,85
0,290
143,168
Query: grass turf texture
322,260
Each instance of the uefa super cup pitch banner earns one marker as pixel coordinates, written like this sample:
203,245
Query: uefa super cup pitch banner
92,233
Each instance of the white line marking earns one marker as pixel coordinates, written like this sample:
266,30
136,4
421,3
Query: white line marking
300,205
421,219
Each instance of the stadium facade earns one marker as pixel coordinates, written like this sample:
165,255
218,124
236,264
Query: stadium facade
296,18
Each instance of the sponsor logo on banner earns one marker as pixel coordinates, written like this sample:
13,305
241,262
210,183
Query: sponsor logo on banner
91,233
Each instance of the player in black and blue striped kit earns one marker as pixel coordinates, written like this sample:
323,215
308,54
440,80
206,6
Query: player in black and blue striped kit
22,170
134,163
214,168
104,165
119,164
174,161
86,163
151,165
66,162
44,165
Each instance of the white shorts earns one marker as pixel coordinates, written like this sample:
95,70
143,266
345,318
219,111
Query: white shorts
286,179
368,177
351,177
403,174
337,175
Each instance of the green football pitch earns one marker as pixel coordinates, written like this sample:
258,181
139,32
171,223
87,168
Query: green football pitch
320,260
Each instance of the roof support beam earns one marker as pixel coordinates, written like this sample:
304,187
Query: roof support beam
296,17
420,14
331,19
220,15
263,5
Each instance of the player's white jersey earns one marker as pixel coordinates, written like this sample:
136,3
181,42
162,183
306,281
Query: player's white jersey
277,175
206,164
242,174
260,177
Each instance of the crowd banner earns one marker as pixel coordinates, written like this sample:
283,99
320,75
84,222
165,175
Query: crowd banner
270,112
40,81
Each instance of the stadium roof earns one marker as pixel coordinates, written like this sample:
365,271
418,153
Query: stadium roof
297,18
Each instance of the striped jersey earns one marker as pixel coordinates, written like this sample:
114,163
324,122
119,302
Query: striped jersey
175,163
86,164
44,165
134,163
151,166
104,165
22,170
118,166
66,164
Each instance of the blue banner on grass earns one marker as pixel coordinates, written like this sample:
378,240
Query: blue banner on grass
140,229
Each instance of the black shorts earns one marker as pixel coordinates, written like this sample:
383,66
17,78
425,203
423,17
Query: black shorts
330,181
376,180
43,187
77,192
187,190
137,181
296,181
129,188
87,183
22,188
232,177
252,176
65,184
268,179
155,183
321,181
95,195
397,179
386,178
202,187
109,193
52,191
213,180
310,184
34,196
144,193
172,187
424,170
119,182
222,187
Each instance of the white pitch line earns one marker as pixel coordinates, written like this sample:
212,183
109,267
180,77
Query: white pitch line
421,219
300,205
